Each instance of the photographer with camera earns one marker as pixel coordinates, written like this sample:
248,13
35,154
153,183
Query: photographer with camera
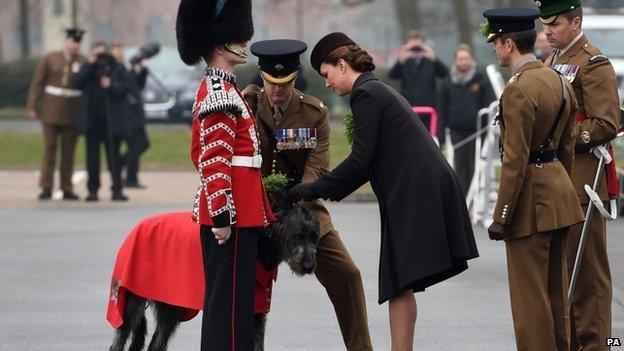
137,141
417,68
103,116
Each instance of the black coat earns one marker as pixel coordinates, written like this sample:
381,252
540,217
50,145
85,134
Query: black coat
418,80
460,103
113,108
137,78
426,234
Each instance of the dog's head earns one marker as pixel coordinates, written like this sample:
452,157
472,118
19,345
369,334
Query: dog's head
296,233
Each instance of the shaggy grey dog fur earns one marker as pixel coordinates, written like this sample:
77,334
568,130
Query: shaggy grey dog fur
291,239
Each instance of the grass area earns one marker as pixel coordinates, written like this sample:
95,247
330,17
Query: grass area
23,150
169,150
13,113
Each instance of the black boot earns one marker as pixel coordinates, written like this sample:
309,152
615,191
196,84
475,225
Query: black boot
92,197
69,195
119,196
46,194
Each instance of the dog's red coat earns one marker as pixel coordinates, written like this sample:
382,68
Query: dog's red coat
161,260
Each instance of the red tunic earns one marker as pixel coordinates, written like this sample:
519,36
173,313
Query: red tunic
223,127
161,260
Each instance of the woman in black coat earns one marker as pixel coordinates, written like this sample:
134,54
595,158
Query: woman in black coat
426,234
463,94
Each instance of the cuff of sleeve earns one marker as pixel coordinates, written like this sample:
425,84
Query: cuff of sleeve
503,216
222,220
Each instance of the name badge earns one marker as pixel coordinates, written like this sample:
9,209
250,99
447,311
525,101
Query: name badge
295,139
568,71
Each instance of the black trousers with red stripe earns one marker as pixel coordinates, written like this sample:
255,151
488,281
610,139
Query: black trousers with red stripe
229,271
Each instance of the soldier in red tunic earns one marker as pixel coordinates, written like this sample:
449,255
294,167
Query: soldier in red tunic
231,205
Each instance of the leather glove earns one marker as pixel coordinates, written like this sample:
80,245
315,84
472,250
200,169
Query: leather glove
497,231
303,191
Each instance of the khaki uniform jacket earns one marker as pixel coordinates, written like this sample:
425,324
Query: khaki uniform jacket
596,92
536,198
56,70
303,111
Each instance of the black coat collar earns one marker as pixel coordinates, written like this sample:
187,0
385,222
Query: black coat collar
363,78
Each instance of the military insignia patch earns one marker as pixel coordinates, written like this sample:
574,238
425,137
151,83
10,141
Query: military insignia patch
114,295
585,137
568,71
597,58
295,139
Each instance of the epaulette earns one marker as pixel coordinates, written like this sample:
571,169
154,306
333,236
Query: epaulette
252,89
218,98
597,58
514,78
252,96
311,100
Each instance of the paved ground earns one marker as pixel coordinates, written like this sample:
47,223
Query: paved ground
56,258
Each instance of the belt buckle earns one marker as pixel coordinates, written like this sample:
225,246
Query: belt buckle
256,161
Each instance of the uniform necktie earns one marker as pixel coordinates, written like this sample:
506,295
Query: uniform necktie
557,54
277,116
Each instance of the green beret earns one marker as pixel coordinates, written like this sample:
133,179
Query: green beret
549,9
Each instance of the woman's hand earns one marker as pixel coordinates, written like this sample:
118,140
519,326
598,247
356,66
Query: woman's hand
222,234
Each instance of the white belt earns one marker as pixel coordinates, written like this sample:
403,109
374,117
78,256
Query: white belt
62,92
247,161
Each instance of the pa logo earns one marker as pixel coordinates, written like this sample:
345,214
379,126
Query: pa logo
613,342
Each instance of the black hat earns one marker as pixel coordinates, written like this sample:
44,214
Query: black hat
508,20
278,59
74,33
203,24
550,9
325,46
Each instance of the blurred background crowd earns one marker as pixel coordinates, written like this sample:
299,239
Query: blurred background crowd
430,50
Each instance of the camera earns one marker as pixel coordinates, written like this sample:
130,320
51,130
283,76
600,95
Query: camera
146,51
417,48
104,62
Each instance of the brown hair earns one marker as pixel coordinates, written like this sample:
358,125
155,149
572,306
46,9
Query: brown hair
414,34
571,15
357,58
525,40
463,47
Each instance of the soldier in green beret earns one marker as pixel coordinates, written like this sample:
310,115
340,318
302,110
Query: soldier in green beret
594,82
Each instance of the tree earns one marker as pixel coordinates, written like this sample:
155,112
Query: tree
24,28
520,3
408,14
462,17
500,3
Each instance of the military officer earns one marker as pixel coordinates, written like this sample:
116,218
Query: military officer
53,100
536,202
294,138
594,82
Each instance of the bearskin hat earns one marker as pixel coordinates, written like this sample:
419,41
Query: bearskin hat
203,24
